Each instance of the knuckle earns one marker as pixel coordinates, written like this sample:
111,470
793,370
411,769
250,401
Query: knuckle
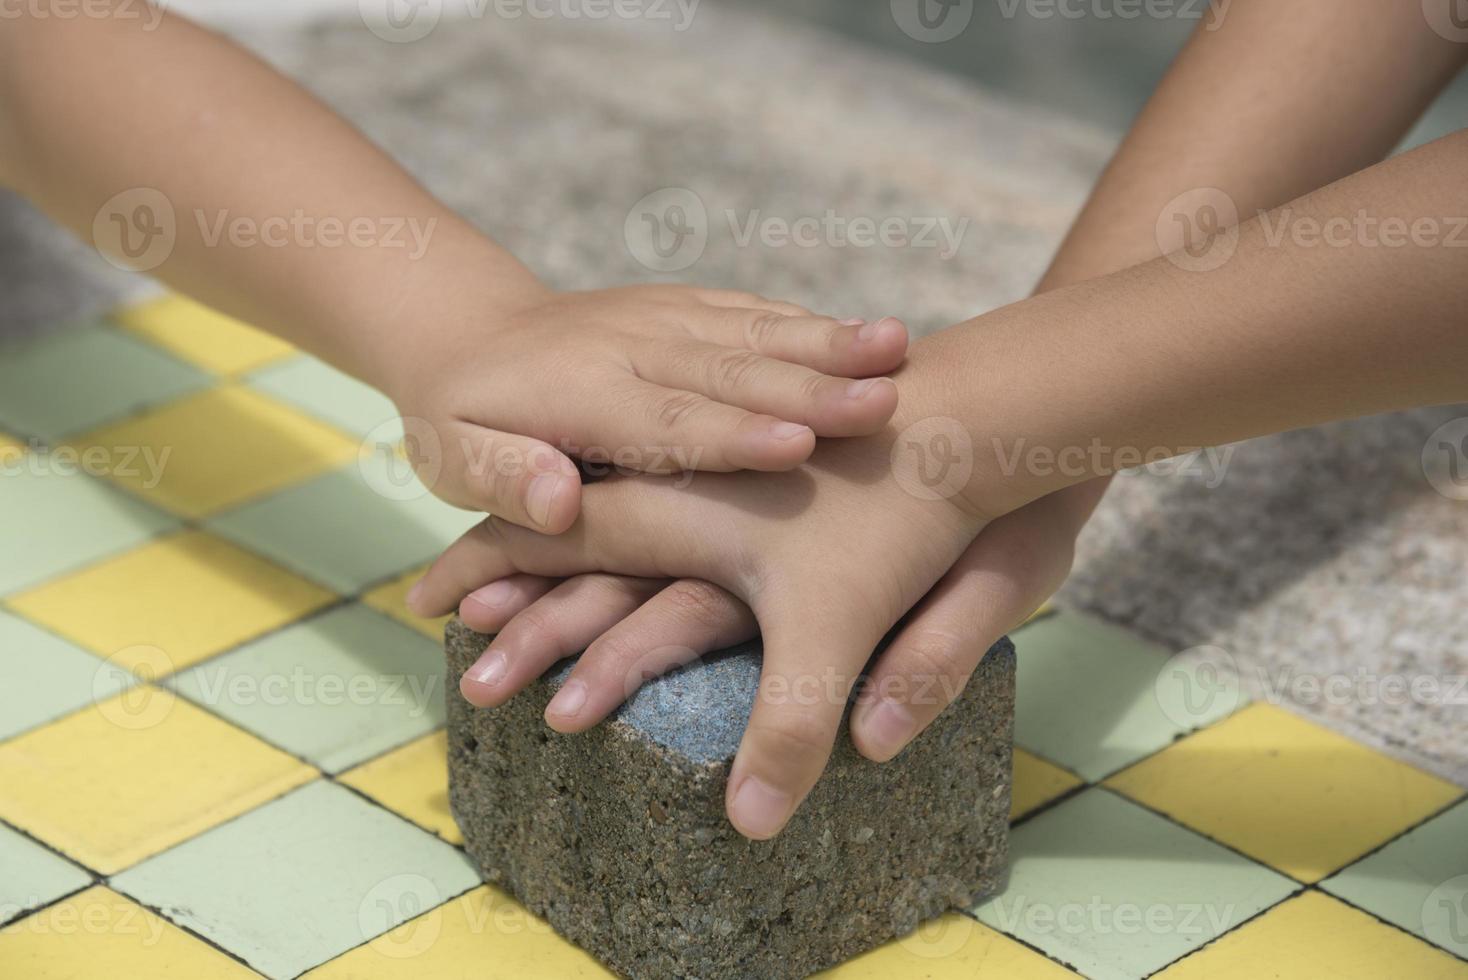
698,603
761,328
675,409
811,386
733,370
533,629
934,654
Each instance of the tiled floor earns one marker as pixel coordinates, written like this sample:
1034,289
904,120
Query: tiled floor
221,751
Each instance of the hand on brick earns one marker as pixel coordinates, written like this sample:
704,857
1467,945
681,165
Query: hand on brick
828,557
633,629
659,379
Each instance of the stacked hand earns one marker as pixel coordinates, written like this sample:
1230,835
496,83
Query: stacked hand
827,558
661,379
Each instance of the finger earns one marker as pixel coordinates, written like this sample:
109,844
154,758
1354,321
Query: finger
638,527
488,609
557,625
689,431
796,715
792,392
1009,570
675,627
746,300
853,348
523,480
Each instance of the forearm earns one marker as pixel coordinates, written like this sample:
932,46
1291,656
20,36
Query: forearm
1274,102
1290,331
1277,100
264,183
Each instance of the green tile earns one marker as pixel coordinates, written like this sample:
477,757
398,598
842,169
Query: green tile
42,677
336,689
1096,698
341,531
80,377
321,390
33,876
1419,881
57,519
302,879
1117,892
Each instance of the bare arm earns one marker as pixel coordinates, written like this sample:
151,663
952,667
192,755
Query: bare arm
94,106
127,125
1272,102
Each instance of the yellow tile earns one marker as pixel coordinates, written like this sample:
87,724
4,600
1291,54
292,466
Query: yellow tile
391,598
125,778
202,336
483,934
413,781
1315,936
171,602
1046,608
1285,791
954,947
10,449
1037,781
223,446
100,934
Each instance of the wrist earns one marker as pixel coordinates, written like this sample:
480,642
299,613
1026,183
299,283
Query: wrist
447,306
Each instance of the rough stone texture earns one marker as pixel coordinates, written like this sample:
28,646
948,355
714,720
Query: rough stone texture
618,836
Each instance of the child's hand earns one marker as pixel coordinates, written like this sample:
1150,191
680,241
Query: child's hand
828,556
661,379
634,628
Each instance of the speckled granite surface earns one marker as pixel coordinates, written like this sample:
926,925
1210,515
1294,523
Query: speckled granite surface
619,838
1320,553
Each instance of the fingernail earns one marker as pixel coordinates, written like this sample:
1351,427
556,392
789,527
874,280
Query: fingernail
568,700
543,490
489,669
414,594
785,431
854,321
494,595
889,727
759,810
870,331
860,389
